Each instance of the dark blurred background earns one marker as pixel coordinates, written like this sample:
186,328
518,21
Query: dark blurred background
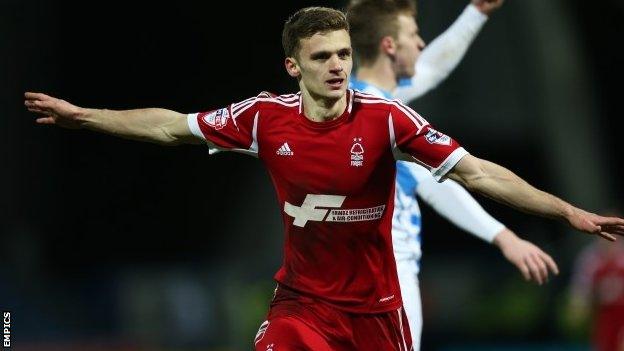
112,244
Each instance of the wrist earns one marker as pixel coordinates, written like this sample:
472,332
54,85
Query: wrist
84,116
473,10
504,239
567,212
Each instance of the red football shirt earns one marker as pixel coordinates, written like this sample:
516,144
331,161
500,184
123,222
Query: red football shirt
599,278
335,185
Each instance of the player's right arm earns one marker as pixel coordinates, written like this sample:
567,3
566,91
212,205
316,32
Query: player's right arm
154,125
444,53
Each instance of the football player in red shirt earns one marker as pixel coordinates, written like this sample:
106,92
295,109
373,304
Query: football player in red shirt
331,154
598,287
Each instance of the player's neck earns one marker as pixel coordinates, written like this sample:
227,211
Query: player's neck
321,109
379,74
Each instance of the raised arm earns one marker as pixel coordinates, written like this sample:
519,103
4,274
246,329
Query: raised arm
154,125
444,53
500,184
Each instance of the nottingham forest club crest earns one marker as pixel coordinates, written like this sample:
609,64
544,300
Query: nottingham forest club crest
357,153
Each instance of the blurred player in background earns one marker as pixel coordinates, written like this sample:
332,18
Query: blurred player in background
331,154
387,47
597,293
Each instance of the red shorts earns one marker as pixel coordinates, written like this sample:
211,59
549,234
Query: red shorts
301,323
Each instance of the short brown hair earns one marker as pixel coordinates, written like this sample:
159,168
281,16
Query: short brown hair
372,20
307,22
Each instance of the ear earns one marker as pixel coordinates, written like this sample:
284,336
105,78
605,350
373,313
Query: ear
292,67
388,46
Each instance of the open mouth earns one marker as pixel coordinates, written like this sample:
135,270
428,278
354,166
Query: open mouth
335,82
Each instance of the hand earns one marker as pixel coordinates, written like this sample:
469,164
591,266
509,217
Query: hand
592,223
487,6
55,111
533,263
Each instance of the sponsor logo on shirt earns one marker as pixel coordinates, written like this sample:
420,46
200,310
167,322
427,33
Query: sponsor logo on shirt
357,153
317,208
217,119
435,137
285,150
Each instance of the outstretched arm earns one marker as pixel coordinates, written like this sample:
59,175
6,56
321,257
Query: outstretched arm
151,124
500,184
444,53
454,203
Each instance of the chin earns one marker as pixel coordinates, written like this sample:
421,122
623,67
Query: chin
328,93
336,95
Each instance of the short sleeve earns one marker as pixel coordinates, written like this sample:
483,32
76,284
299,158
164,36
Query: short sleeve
415,140
231,128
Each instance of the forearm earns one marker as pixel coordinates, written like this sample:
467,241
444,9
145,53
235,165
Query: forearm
454,203
504,186
151,124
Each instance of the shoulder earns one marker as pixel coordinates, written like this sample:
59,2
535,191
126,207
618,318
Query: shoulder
370,103
267,101
374,102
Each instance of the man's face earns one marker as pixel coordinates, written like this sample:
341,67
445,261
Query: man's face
324,64
409,44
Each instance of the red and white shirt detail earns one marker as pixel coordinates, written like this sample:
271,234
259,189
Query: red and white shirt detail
335,185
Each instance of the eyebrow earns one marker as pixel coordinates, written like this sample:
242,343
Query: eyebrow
325,53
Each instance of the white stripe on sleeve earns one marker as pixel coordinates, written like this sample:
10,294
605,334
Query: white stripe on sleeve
191,119
448,164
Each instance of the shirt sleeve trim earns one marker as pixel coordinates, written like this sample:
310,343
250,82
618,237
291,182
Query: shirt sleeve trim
440,172
194,125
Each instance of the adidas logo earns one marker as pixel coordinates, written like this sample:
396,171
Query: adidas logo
284,150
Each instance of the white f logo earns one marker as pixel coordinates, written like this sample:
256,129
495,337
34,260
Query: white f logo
309,212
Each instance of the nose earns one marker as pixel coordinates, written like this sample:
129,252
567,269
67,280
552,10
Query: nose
335,65
420,43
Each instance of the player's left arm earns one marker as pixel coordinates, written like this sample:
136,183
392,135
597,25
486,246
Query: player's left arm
502,185
413,139
444,53
455,203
